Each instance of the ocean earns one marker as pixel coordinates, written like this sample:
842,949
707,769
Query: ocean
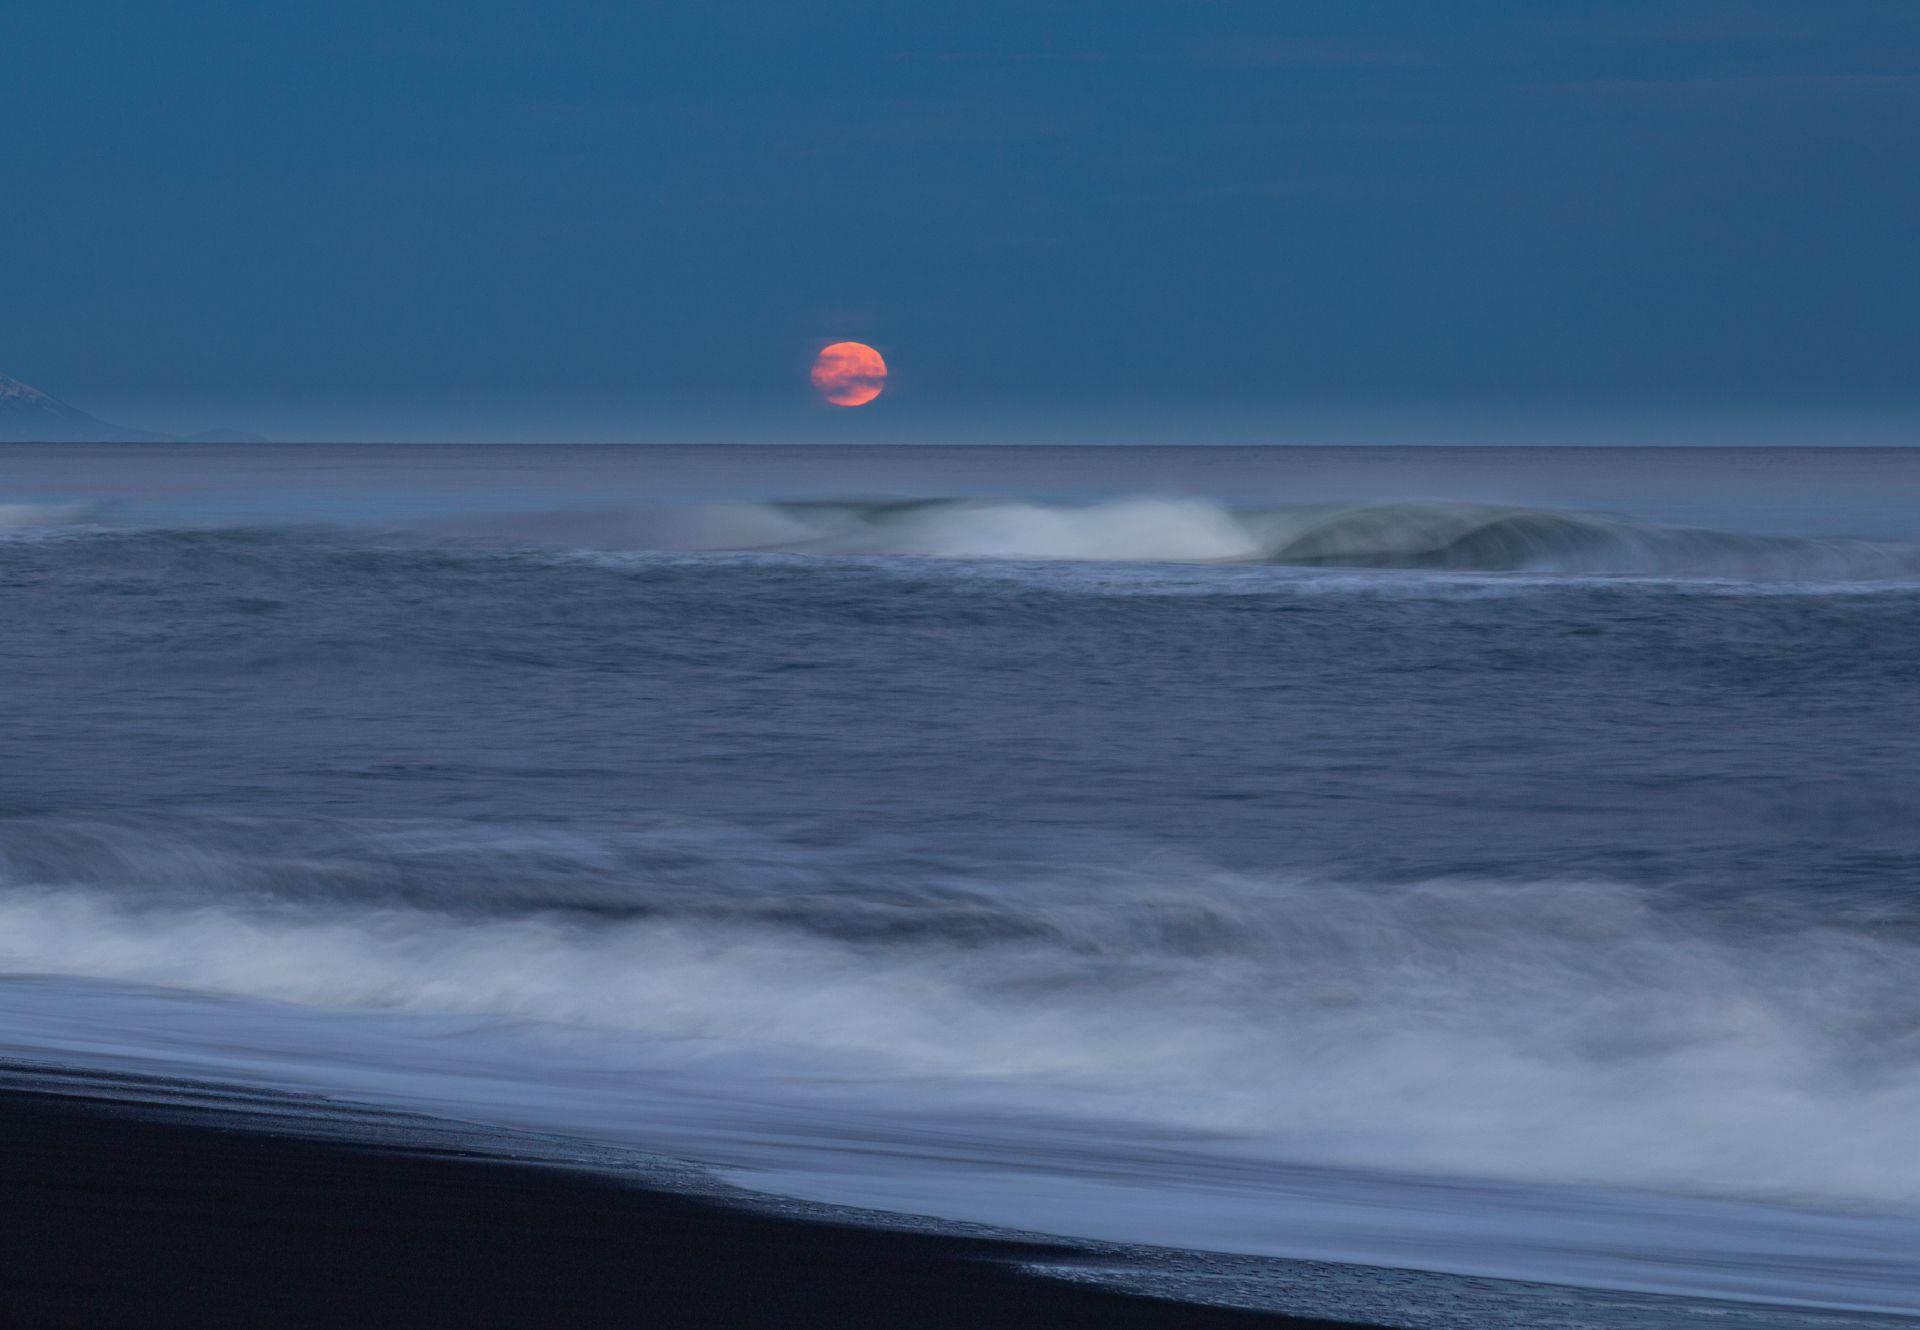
1501,863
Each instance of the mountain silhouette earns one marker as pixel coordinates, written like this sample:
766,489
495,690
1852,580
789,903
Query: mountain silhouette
28,415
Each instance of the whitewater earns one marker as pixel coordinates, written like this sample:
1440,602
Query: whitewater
1488,863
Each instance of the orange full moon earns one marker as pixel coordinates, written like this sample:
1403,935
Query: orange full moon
849,373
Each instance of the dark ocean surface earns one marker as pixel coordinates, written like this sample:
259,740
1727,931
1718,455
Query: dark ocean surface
1495,862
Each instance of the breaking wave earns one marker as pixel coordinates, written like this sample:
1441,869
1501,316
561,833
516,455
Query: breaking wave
1584,1031
1440,536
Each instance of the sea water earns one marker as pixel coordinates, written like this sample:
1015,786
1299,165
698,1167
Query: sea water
1495,862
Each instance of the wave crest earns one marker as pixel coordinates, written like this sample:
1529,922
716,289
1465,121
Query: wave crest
1580,1031
1432,536
1457,537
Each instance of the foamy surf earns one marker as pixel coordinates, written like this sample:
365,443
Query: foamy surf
1733,1049
1115,1069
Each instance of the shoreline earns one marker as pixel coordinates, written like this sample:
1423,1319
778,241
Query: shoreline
119,1211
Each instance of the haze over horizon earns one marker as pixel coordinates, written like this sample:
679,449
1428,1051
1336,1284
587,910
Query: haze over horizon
1142,223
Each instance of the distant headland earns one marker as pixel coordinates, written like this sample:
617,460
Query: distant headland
28,415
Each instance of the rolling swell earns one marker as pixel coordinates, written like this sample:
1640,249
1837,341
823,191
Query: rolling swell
1439,537
1451,537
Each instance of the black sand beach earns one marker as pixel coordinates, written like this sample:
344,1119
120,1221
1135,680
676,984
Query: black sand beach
117,1214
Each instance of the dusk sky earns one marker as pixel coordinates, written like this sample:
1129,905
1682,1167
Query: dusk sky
1210,220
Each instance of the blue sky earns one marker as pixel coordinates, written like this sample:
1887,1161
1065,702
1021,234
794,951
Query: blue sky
1206,220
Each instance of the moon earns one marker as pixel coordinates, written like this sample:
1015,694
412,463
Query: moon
849,373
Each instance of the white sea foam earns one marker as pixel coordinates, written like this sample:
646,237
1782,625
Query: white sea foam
1545,1031
1164,1053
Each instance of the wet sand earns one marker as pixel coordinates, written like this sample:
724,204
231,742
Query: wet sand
122,1215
